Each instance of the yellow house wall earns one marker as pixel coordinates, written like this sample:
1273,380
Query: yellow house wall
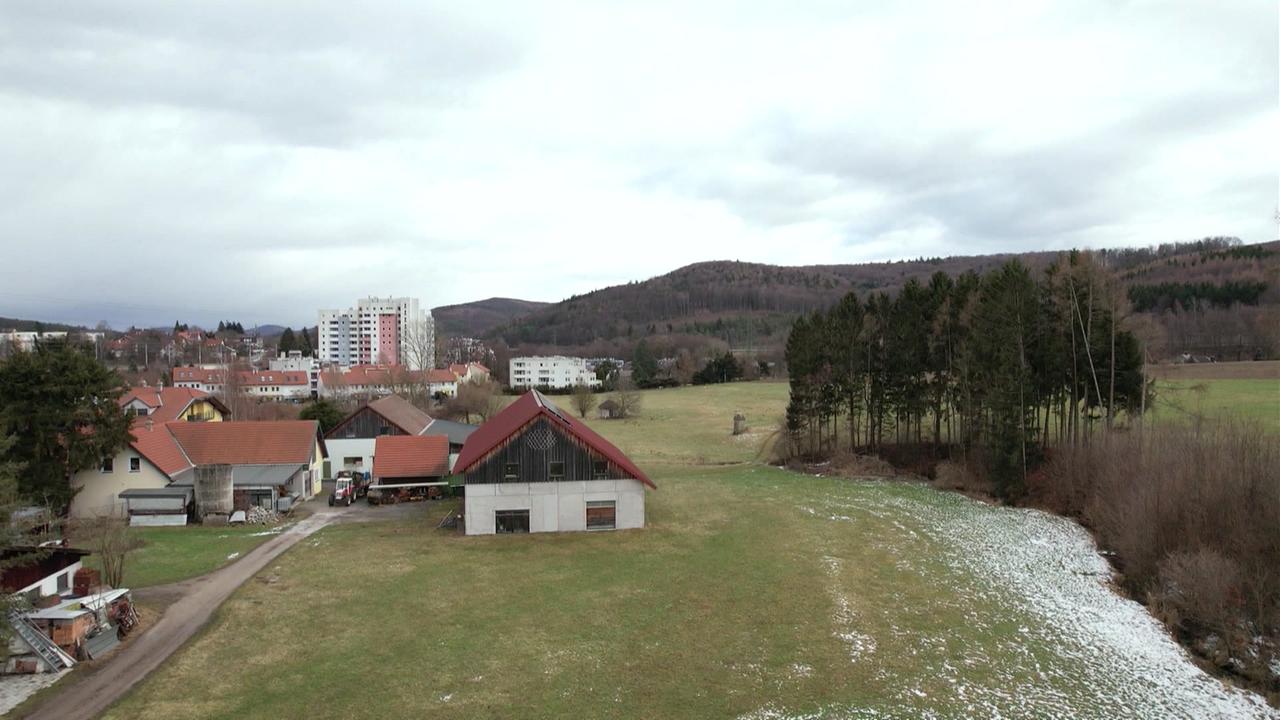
99,492
201,410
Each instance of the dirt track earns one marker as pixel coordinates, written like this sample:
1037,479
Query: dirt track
183,619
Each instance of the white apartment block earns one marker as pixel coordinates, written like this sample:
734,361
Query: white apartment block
556,372
378,331
295,362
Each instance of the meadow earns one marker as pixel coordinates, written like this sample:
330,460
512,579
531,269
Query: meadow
754,592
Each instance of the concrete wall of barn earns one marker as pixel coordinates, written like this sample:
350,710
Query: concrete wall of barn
341,448
553,506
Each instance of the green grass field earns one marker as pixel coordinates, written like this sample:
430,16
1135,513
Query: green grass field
1256,400
172,554
753,593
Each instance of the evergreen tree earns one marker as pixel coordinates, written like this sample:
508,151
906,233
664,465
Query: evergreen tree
287,341
323,410
61,407
644,366
304,343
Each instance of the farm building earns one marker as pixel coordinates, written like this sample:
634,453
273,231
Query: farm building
351,442
410,460
273,463
532,468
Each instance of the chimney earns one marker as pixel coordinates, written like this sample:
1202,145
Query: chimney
150,424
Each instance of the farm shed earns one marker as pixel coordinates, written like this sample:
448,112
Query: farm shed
609,409
351,441
152,507
532,468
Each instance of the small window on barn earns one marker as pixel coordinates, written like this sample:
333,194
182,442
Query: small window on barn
511,471
510,521
108,465
135,464
64,582
600,470
602,515
556,471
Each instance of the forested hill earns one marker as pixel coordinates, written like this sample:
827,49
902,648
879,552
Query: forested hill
475,319
752,305
741,303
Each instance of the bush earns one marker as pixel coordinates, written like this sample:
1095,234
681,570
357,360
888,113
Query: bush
1193,517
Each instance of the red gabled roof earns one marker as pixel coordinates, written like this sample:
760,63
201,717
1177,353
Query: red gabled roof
266,442
167,403
520,413
154,442
410,456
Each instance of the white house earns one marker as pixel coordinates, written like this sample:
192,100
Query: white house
532,468
556,372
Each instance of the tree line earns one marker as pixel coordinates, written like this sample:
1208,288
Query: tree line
995,367
1187,295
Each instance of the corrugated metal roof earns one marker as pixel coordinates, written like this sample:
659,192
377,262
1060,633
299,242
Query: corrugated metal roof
456,432
253,475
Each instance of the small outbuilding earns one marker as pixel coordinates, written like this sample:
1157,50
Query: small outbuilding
157,507
609,409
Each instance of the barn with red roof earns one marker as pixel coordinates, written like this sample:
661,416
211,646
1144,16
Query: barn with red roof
533,468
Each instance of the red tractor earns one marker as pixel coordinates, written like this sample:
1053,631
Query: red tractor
349,486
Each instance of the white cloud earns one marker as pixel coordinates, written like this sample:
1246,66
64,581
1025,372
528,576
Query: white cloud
296,156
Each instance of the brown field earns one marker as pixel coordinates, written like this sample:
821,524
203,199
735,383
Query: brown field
1260,370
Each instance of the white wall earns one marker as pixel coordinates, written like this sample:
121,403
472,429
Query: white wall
553,506
99,492
556,371
49,585
340,448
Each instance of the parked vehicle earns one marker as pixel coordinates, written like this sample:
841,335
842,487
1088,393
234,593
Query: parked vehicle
349,486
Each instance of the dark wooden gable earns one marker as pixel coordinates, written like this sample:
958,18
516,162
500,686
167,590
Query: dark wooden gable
534,447
363,423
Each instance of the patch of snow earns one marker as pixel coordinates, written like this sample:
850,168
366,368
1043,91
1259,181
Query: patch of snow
446,697
233,556
800,670
1079,649
15,689
859,644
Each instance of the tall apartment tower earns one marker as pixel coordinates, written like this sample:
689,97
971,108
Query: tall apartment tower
379,331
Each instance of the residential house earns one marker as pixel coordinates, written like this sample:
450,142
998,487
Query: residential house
165,404
470,372
295,361
351,442
281,385
273,463
441,383
533,468
368,381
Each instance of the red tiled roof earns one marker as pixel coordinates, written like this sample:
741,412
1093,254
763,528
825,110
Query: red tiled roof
273,377
441,376
410,456
267,442
372,375
520,413
154,442
204,376
166,403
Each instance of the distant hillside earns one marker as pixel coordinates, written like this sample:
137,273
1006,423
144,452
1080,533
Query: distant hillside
740,303
753,305
34,325
476,319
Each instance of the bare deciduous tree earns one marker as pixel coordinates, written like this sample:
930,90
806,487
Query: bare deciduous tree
627,398
111,540
584,399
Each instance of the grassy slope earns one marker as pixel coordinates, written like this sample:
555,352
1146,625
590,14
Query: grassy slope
173,554
747,591
1182,400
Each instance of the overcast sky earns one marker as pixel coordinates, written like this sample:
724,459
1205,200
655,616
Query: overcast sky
256,161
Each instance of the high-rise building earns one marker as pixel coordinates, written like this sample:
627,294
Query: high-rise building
382,331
